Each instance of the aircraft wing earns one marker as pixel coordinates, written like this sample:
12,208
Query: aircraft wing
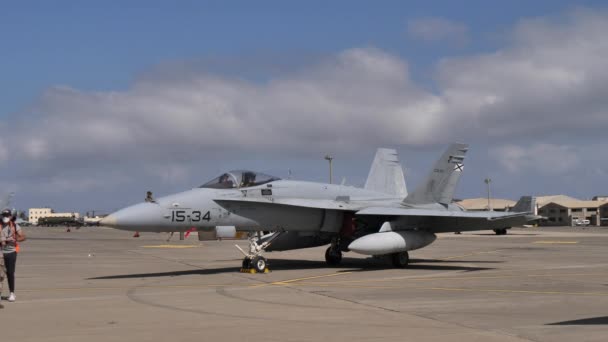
295,202
487,215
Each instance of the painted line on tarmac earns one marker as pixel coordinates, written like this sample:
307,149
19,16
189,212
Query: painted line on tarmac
431,278
456,289
291,281
471,254
556,242
128,287
602,294
170,246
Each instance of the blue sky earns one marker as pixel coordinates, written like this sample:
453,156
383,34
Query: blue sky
105,45
60,60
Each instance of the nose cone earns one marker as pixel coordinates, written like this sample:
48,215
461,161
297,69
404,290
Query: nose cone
139,217
108,221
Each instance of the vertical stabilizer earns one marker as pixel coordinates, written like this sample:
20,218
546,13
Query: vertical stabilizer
440,185
386,174
526,204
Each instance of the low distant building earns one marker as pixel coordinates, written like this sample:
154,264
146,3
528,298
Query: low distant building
558,210
481,204
36,214
568,212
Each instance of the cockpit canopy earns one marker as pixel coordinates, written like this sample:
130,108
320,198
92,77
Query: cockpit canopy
239,179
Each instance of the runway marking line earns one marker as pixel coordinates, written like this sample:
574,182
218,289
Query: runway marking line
170,246
471,254
291,281
521,291
455,289
128,287
556,242
343,282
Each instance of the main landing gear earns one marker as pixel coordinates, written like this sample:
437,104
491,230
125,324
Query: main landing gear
333,254
502,231
254,261
400,260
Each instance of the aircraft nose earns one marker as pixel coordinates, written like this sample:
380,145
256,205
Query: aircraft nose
109,221
139,217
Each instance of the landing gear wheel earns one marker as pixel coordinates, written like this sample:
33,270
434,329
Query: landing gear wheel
400,260
501,231
259,264
246,263
333,257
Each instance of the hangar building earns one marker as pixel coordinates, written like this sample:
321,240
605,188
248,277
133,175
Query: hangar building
559,210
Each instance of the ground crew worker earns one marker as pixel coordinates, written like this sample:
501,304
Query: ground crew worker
2,276
11,234
149,199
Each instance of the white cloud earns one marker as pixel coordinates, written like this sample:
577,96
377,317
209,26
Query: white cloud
358,97
434,29
550,81
541,158
552,77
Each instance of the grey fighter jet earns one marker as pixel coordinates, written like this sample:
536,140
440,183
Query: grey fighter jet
380,219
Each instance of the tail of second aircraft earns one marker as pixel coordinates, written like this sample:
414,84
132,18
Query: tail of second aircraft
386,174
526,204
441,183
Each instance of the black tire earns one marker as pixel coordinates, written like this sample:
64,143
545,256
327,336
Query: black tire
246,263
333,257
259,264
501,231
400,260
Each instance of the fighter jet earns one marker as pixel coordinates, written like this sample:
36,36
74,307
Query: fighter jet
380,219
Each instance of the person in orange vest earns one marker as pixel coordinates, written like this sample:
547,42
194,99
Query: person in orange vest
11,234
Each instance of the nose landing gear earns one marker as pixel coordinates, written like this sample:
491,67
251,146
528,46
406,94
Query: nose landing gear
254,261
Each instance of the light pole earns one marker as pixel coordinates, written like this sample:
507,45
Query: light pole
488,181
329,159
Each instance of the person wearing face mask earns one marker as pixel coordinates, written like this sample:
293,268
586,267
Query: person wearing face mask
10,234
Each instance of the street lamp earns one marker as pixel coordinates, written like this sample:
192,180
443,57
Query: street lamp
329,159
488,181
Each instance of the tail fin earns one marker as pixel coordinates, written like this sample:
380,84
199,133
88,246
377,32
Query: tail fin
440,184
526,204
386,174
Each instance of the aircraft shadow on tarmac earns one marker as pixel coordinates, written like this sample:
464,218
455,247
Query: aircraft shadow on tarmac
585,321
512,234
351,265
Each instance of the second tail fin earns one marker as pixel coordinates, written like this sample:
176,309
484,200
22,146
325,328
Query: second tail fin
440,184
526,204
386,174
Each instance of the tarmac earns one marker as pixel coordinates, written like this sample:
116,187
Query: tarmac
99,284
